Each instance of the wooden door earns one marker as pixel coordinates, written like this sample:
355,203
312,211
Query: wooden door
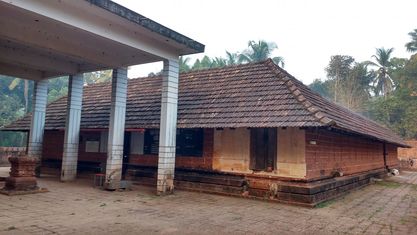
126,153
263,148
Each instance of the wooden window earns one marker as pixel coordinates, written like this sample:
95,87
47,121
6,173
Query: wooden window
137,142
151,142
92,144
189,142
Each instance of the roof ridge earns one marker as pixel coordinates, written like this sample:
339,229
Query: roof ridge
223,67
298,95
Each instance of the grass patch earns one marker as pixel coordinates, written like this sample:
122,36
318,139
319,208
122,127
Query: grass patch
388,184
414,187
325,204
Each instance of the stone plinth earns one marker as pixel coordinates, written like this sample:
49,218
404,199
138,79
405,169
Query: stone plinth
22,178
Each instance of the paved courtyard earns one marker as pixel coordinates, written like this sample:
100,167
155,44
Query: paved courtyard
385,207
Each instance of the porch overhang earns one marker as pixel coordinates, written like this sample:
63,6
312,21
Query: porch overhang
44,39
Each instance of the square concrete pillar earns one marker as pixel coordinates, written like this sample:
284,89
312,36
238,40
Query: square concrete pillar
168,128
72,128
37,124
116,129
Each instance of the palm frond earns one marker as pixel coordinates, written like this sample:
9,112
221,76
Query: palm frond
14,83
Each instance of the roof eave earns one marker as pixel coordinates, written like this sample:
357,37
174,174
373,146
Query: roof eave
191,46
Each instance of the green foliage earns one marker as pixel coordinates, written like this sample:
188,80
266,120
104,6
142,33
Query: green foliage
256,51
339,66
388,184
11,108
348,82
338,72
97,77
12,139
232,58
57,88
183,64
362,90
12,102
383,83
325,204
16,99
398,111
321,87
412,45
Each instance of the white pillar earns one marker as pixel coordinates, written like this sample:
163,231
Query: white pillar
116,129
72,128
37,124
168,127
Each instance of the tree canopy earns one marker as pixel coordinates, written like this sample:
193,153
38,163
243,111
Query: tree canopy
412,45
256,51
384,89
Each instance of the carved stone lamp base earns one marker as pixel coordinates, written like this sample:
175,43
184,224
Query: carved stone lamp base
22,178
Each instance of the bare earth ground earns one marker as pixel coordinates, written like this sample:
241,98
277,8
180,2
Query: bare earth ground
387,207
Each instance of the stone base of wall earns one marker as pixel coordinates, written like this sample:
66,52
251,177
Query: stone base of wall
304,194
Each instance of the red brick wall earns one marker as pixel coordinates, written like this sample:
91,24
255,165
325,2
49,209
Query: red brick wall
53,147
54,141
392,155
350,154
407,153
204,162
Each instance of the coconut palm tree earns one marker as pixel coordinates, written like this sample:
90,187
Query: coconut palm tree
183,64
412,45
259,51
383,82
232,58
218,62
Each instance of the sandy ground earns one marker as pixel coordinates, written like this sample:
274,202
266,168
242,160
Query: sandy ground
387,207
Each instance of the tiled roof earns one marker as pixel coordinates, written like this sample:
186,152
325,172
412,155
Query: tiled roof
250,95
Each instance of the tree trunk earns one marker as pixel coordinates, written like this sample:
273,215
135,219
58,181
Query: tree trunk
26,94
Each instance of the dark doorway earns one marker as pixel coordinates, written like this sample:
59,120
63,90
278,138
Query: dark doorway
126,153
263,148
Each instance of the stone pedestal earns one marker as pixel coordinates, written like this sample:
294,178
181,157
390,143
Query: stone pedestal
22,178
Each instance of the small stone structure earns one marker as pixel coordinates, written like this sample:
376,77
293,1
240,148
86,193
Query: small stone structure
408,156
22,178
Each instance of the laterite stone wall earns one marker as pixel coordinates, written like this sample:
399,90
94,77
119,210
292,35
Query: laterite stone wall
328,151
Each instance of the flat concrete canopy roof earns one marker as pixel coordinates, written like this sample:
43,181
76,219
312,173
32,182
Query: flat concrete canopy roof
43,39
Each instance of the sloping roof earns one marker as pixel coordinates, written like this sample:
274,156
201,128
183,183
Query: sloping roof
250,95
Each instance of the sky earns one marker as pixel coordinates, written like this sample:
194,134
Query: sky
307,32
